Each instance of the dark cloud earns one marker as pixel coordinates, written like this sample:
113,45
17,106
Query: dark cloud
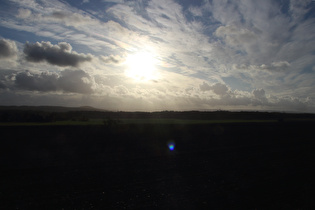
7,48
204,86
39,82
60,55
218,88
2,86
76,81
59,15
259,93
259,97
290,103
6,78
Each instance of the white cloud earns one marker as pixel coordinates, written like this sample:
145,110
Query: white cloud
112,59
72,18
195,11
24,13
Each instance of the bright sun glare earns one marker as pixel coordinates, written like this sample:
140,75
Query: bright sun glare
141,66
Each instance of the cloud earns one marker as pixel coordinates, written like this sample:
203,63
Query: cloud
73,19
218,88
259,93
291,103
235,36
257,33
48,12
112,59
114,1
162,25
24,13
60,55
8,49
298,9
40,82
121,90
260,97
195,11
2,86
76,81
277,66
281,64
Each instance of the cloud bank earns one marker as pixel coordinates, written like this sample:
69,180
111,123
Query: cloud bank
71,81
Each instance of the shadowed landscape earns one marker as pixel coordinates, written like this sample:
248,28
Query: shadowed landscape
221,160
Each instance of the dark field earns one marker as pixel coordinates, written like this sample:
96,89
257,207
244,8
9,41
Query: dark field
214,166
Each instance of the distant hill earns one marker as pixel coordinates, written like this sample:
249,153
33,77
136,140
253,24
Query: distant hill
85,113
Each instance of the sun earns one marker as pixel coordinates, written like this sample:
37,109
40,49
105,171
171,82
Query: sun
141,66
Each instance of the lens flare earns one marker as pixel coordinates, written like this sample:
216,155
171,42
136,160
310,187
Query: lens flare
171,146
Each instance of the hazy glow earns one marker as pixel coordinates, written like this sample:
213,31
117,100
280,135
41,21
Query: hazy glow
141,66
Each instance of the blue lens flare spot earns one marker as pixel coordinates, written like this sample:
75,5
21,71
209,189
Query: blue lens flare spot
171,146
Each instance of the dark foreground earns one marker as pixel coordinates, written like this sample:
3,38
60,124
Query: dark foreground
217,166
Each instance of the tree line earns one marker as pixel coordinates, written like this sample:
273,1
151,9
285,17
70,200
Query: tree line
51,116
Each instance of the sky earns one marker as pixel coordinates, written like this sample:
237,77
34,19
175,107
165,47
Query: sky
154,55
